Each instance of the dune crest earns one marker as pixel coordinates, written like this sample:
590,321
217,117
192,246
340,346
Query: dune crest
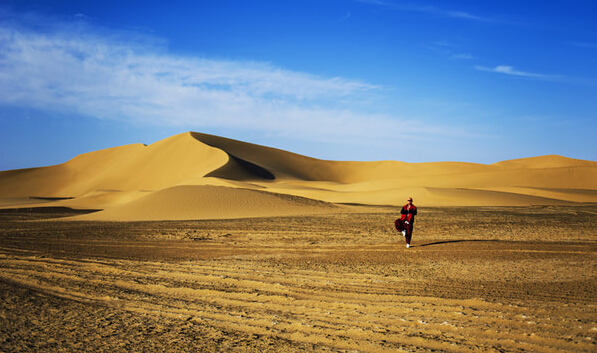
199,176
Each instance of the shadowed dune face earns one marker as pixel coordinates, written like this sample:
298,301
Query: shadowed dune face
139,176
241,170
283,164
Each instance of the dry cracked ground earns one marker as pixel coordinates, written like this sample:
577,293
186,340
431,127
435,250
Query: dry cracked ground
476,279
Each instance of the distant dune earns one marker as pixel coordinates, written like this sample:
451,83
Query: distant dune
199,176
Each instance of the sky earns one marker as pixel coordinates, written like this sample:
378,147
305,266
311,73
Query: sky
413,81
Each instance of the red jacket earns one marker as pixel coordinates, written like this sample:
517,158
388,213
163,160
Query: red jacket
408,215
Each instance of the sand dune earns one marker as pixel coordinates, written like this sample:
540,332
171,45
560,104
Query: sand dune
199,176
133,167
210,202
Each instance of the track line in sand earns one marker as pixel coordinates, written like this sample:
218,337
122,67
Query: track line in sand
343,311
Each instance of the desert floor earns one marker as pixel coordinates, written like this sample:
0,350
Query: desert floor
489,279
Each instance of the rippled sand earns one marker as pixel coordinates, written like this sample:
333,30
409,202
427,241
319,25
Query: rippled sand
491,279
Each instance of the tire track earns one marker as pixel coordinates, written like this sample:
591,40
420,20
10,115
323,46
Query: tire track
343,311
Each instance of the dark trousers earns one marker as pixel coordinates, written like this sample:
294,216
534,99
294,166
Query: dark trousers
400,226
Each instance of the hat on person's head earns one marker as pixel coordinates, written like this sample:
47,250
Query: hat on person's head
409,199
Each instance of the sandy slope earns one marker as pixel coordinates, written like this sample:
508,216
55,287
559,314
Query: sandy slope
211,202
133,167
122,179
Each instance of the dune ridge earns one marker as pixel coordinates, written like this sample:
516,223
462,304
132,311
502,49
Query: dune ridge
199,176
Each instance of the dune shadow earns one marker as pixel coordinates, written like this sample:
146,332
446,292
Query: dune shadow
453,241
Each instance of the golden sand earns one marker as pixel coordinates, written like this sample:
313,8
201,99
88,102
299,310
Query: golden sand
199,176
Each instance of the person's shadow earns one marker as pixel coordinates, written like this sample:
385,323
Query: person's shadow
450,242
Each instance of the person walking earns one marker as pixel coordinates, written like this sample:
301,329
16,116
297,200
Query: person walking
405,223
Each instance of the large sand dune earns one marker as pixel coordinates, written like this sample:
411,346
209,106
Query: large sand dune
199,176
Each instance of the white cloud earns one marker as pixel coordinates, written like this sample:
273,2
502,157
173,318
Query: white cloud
565,79
509,70
77,70
108,78
429,9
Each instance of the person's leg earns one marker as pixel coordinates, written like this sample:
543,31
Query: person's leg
409,233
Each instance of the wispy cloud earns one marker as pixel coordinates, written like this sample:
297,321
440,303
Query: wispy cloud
509,70
105,77
80,70
565,79
429,9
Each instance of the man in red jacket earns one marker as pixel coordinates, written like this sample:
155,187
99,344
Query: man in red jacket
405,223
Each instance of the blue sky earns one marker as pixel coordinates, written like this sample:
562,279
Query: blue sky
472,81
